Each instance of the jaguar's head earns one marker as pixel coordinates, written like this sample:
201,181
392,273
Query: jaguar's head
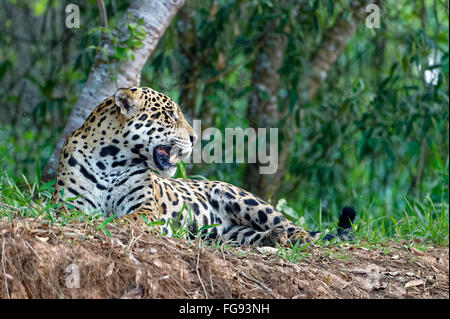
155,128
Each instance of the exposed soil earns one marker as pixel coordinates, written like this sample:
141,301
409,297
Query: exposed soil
42,261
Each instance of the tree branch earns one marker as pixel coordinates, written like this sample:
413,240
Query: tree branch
333,43
103,15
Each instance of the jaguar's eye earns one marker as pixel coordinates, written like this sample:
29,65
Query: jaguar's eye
173,115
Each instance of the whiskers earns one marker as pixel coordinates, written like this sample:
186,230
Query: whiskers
181,147
182,144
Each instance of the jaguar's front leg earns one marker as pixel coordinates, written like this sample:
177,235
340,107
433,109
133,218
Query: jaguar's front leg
146,217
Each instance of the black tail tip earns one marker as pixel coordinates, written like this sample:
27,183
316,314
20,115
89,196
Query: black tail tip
347,217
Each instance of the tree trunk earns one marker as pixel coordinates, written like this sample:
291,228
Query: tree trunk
333,43
263,103
187,41
101,83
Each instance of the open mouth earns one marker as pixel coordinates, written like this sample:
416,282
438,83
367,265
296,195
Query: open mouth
163,157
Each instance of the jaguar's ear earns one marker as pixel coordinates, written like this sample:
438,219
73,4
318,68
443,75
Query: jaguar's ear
126,102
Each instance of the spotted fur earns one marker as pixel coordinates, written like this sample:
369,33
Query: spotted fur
109,166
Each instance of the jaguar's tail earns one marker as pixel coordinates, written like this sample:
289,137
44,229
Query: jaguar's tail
345,230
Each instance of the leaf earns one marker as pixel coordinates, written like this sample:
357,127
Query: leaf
416,251
207,227
267,250
106,222
47,186
414,283
282,205
4,66
109,270
38,173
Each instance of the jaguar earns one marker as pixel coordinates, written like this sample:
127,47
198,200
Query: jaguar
121,163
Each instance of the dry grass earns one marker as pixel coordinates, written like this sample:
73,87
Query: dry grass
37,261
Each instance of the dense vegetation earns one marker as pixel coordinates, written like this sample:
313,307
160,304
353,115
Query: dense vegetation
375,135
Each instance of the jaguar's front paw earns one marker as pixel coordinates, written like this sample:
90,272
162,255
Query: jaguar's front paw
301,235
276,236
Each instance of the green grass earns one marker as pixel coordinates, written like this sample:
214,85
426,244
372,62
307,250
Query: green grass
422,221
426,221
33,200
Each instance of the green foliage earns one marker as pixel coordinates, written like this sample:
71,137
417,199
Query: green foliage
297,253
121,49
